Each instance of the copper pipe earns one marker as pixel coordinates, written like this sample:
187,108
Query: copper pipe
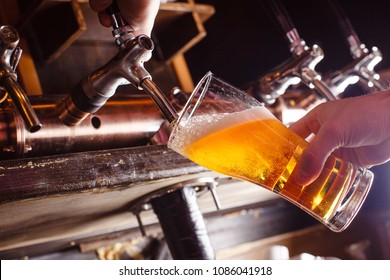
124,121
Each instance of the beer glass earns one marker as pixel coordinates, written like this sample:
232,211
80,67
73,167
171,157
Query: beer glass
228,131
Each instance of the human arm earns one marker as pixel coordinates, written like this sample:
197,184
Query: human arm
354,129
140,14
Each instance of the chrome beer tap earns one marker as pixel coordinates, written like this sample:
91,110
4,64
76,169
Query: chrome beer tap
127,67
298,69
364,60
361,69
10,55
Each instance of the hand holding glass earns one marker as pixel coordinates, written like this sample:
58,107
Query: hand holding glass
224,129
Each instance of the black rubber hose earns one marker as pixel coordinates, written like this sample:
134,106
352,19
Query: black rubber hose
183,225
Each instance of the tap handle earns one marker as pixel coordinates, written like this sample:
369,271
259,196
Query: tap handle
347,29
297,44
122,31
281,15
117,20
113,8
15,58
343,20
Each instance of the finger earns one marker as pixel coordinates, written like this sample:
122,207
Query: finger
104,19
308,168
306,126
314,156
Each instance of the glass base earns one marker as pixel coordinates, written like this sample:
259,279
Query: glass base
352,202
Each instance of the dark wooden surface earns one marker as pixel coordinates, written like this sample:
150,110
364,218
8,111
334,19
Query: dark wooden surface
90,171
74,196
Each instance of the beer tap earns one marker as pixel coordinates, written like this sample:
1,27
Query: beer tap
364,61
298,69
10,55
127,67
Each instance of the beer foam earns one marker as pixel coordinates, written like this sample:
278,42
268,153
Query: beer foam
197,127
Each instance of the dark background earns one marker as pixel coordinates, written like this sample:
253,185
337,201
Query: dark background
244,41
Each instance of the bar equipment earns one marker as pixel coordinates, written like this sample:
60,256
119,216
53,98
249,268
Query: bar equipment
300,68
127,67
129,120
10,55
362,68
177,205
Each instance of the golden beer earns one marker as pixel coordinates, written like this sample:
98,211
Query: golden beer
225,130
263,151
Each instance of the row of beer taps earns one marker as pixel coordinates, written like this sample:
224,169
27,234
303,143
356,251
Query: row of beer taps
301,67
127,67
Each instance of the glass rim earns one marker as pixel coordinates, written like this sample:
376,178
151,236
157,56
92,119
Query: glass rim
206,79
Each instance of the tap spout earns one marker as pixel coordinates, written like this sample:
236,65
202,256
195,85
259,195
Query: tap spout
9,59
22,104
160,99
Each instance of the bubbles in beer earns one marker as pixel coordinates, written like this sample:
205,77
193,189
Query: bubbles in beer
189,131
